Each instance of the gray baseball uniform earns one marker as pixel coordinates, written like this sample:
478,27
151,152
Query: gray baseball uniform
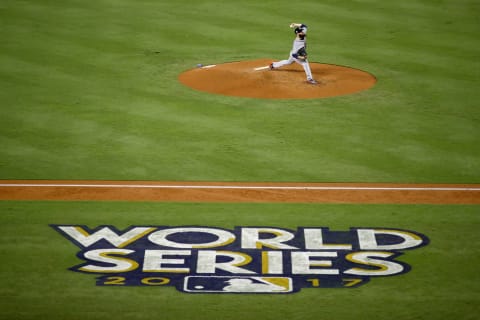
297,52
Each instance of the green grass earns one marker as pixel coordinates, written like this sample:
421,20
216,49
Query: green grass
90,91
36,284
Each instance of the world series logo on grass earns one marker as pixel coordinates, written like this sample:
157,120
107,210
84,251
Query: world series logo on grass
200,259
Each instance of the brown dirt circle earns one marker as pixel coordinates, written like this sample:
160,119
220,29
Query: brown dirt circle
254,80
254,192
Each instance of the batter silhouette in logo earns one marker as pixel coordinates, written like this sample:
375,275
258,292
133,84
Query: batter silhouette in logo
247,285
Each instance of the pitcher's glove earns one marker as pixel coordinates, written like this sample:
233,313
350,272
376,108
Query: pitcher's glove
301,54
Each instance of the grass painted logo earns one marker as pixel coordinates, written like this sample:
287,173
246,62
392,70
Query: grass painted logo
199,259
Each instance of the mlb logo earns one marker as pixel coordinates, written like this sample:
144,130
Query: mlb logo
224,284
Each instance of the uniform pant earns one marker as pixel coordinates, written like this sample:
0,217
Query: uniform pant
290,60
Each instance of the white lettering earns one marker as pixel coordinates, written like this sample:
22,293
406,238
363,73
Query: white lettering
302,262
119,264
81,236
314,241
251,238
207,262
385,268
155,259
367,239
160,238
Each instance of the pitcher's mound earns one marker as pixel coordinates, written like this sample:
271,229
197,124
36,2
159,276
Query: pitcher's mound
255,80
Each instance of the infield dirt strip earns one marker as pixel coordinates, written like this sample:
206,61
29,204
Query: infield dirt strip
361,193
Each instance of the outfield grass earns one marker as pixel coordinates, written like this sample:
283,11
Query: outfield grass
90,91
36,284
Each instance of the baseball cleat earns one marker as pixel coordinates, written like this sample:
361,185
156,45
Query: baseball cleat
312,81
271,66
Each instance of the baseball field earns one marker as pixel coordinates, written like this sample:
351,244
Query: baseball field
127,194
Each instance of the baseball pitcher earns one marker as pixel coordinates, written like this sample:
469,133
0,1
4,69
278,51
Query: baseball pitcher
298,53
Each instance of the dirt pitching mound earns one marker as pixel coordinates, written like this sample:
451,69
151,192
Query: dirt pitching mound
254,79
